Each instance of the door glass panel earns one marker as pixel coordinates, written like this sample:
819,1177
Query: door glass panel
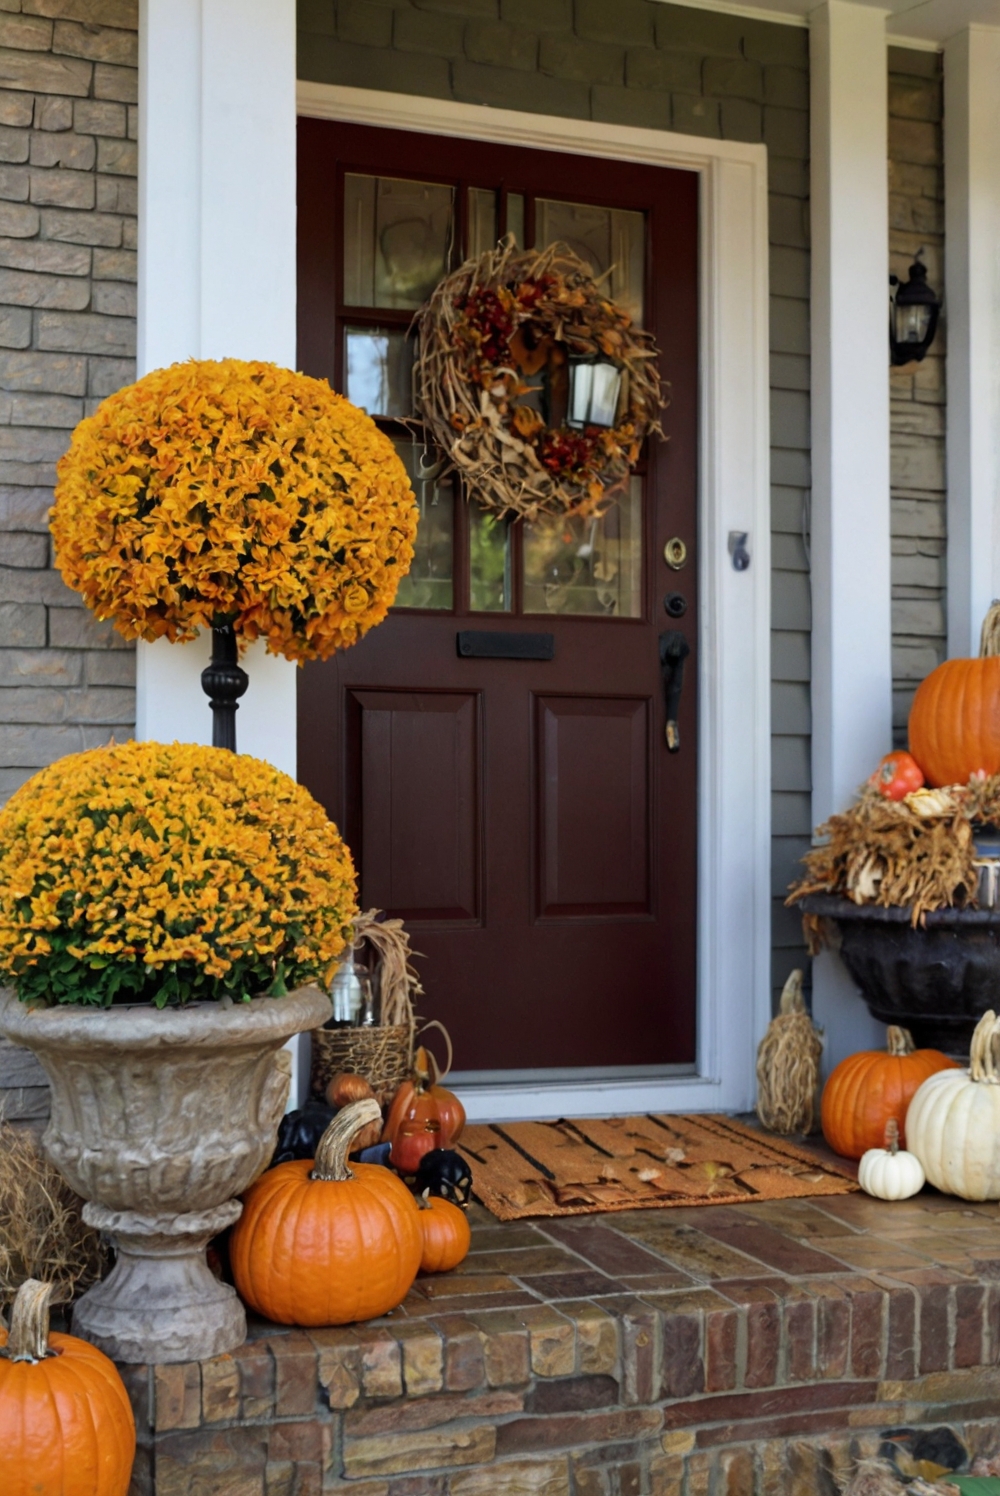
489,561
378,364
482,220
609,238
515,217
430,580
397,237
574,565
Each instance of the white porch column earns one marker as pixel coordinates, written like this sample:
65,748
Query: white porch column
216,274
851,640
972,305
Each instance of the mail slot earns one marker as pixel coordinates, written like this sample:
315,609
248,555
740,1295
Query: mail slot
497,645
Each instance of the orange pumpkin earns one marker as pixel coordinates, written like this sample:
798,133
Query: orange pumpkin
423,1115
955,716
66,1424
324,1244
868,1089
446,1232
345,1088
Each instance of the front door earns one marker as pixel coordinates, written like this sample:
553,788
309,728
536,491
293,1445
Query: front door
524,815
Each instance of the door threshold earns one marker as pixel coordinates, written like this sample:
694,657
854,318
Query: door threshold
568,1076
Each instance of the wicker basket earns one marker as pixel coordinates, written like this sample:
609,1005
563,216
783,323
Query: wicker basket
383,1055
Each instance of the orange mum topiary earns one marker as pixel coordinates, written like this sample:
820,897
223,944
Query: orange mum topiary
238,491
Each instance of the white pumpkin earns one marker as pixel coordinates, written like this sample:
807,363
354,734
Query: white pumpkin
890,1173
953,1123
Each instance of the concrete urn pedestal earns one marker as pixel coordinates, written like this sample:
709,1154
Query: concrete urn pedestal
159,1119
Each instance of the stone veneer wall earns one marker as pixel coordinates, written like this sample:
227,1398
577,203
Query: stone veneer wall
68,129
638,62
918,411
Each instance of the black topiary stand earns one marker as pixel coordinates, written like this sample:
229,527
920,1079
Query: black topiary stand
224,682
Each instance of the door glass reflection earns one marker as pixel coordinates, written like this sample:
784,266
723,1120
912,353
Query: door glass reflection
587,565
489,561
397,237
482,220
608,238
430,580
378,364
515,217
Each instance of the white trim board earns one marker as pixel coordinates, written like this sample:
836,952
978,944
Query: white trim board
734,934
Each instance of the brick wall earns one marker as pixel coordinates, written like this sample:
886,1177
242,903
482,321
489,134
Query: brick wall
68,90
916,208
638,62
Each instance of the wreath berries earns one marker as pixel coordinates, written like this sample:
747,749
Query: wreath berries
495,344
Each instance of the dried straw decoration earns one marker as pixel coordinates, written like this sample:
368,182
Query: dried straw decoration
788,1066
382,1052
916,853
42,1233
500,320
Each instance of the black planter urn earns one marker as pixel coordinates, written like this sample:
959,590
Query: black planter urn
936,980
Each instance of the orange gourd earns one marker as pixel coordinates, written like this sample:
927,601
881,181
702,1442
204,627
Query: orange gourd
872,1087
423,1115
955,716
66,1424
446,1234
322,1243
345,1088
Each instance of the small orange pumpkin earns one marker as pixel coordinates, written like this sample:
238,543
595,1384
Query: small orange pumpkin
446,1232
324,1244
870,1088
345,1088
955,716
66,1424
423,1115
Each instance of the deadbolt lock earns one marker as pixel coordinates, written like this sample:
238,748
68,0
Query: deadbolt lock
675,553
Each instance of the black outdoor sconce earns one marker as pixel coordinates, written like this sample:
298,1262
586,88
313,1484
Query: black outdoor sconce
913,315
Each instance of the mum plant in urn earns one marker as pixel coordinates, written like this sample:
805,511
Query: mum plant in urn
165,910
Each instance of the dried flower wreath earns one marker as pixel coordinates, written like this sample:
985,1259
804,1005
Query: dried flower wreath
501,321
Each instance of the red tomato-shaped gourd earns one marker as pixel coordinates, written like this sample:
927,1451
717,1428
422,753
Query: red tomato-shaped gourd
897,775
424,1115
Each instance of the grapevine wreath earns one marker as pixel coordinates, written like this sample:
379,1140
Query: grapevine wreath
492,374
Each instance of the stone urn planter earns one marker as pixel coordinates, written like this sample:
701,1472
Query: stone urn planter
936,980
159,1119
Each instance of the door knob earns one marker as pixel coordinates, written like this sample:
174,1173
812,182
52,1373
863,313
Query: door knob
675,604
674,650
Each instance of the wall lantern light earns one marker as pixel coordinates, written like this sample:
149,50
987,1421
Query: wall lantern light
913,315
594,388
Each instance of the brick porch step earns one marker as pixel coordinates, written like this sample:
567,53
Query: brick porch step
728,1351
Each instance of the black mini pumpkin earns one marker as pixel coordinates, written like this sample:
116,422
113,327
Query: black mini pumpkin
300,1131
444,1172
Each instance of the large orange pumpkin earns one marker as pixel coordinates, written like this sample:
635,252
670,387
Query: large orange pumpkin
873,1086
955,716
446,1234
66,1424
424,1115
323,1244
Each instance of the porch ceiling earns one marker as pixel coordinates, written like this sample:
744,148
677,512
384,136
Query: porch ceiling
927,21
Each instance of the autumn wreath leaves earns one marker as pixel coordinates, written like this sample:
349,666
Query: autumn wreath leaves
497,340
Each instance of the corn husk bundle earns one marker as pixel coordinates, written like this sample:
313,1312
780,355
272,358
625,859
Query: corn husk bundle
788,1066
399,984
42,1233
916,853
487,330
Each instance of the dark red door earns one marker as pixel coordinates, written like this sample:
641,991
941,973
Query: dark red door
523,815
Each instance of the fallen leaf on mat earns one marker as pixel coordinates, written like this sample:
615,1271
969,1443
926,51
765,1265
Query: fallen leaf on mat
647,1174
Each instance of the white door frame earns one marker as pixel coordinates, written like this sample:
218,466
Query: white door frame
734,858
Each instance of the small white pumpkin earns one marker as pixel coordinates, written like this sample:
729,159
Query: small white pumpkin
953,1124
890,1173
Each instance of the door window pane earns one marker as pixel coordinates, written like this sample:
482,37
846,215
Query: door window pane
608,238
429,582
397,237
482,220
587,565
489,562
378,364
515,217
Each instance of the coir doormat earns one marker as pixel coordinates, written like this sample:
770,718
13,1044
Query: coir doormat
631,1163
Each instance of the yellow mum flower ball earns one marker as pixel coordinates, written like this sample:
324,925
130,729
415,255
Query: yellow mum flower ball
240,491
152,872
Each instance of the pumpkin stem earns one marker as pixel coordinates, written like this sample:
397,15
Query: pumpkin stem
989,639
437,1074
981,1062
892,1135
899,1041
335,1144
29,1323
792,1000
424,1199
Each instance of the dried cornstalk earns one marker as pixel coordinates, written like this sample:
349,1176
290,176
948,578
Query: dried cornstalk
42,1233
399,984
788,1066
470,420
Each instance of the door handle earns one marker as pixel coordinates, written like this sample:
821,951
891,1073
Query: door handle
674,650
